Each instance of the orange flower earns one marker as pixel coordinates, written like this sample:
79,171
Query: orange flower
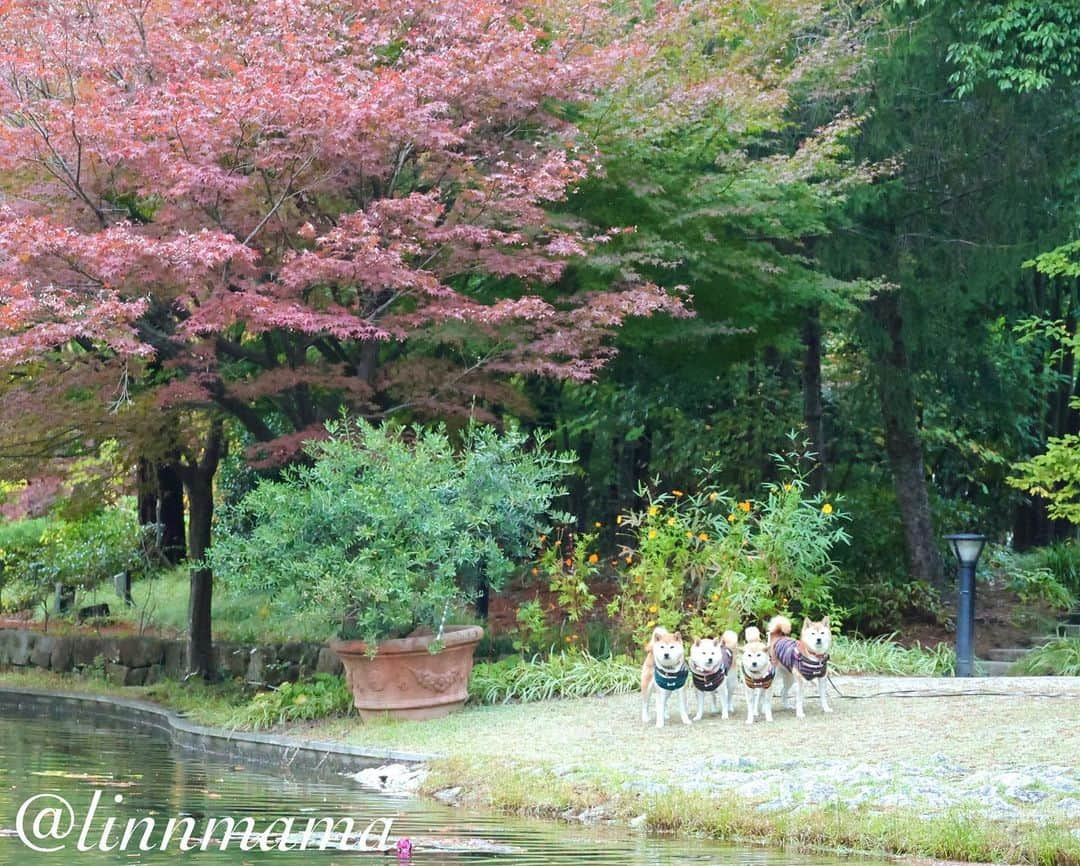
569,562
593,558
676,493
535,571
629,560
703,536
745,505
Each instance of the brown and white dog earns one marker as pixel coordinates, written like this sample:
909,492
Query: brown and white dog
801,661
664,671
758,673
711,661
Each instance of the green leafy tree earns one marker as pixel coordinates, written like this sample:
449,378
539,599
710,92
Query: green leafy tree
381,527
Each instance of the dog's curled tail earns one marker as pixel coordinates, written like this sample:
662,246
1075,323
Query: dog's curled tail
779,626
752,634
730,640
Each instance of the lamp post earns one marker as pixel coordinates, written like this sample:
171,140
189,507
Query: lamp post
967,547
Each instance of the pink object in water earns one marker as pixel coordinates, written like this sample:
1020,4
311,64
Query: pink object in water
404,849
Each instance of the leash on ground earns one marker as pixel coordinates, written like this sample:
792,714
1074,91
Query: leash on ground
923,693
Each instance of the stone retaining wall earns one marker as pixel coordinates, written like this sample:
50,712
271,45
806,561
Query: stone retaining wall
138,661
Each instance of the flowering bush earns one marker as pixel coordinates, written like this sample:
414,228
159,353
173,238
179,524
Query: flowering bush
387,527
707,561
571,569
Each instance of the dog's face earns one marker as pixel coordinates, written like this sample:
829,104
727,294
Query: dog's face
817,636
667,648
755,659
705,653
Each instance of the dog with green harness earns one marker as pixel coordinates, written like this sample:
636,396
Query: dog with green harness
664,672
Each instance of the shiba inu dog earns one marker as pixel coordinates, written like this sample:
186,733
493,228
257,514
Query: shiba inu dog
758,674
801,661
711,659
664,672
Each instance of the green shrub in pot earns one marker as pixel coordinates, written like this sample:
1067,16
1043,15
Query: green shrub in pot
382,526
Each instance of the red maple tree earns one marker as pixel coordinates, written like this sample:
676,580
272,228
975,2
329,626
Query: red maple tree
265,210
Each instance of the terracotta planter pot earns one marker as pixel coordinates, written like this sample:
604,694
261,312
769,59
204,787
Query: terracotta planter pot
406,681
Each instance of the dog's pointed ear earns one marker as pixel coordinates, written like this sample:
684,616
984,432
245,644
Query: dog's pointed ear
806,622
715,639
677,637
825,622
697,640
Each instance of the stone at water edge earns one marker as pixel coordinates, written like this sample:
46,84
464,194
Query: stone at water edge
391,778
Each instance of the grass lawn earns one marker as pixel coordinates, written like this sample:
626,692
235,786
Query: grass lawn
946,775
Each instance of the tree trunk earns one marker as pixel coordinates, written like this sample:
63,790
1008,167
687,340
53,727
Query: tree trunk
903,446
198,477
161,504
146,492
170,513
813,412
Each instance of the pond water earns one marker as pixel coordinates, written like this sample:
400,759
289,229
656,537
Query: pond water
82,758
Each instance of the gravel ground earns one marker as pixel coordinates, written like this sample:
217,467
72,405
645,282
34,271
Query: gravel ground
1005,748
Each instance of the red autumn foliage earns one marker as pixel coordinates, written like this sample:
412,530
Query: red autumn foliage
281,206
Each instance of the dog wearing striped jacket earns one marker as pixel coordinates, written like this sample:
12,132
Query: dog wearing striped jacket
803,661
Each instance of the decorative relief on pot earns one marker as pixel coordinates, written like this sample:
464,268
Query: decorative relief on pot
435,682
376,681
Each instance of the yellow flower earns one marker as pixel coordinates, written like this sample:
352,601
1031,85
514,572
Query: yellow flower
671,521
826,508
713,497
597,525
787,488
653,608
676,493
689,535
594,558
731,518
300,699
543,538
654,510
568,638
650,624
629,560
703,536
745,505
618,520
652,533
